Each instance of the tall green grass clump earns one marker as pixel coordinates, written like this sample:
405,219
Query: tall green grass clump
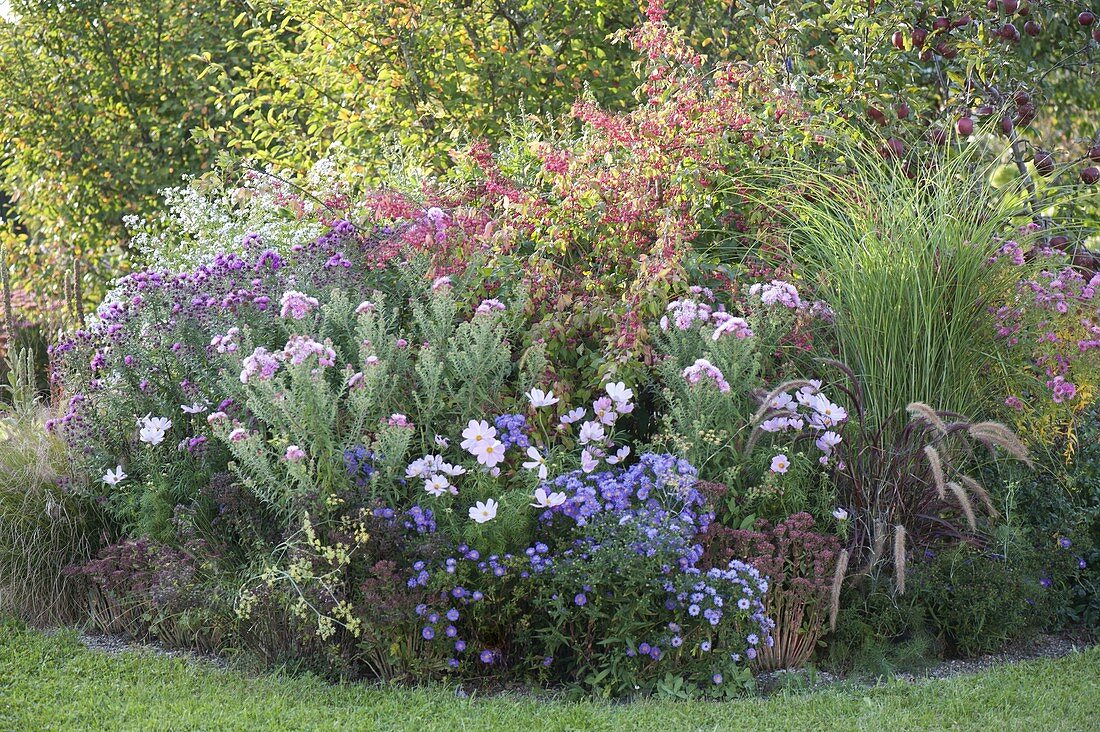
910,268
42,528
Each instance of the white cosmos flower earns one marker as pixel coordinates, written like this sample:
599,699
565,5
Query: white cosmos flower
163,424
591,432
482,512
437,485
476,433
114,477
537,462
540,398
489,453
619,393
416,469
840,514
588,461
547,500
196,408
620,455
151,435
574,415
451,470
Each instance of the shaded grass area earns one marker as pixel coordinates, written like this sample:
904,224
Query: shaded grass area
54,682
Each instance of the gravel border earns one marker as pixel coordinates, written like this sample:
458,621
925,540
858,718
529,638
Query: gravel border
1039,647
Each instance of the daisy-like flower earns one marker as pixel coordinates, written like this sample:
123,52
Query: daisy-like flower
451,470
238,434
482,512
152,429
621,454
547,500
783,401
476,433
573,415
437,485
591,432
540,398
780,464
827,442
294,453
417,469
840,514
605,411
618,392
489,453
196,408
442,441
537,462
114,477
364,307
440,282
589,462
826,414
158,423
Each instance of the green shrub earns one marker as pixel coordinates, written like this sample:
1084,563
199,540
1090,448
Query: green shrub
979,601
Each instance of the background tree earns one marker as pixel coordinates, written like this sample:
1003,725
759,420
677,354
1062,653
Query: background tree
97,104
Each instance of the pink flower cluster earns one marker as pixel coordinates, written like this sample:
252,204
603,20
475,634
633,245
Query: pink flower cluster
777,292
704,369
263,364
296,305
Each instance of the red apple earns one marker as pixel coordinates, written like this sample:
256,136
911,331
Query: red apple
964,126
941,23
895,148
1044,163
902,110
1094,153
918,36
898,39
1032,28
1090,175
1010,6
1086,18
1006,126
876,115
1020,96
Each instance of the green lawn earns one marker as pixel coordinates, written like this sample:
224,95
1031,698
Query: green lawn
51,683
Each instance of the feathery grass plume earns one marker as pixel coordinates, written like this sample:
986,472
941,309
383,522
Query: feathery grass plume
899,558
967,507
936,463
979,490
925,412
1001,436
838,580
878,541
765,405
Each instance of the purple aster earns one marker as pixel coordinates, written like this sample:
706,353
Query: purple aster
428,632
580,600
717,679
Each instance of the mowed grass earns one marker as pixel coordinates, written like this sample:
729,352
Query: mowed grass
54,683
